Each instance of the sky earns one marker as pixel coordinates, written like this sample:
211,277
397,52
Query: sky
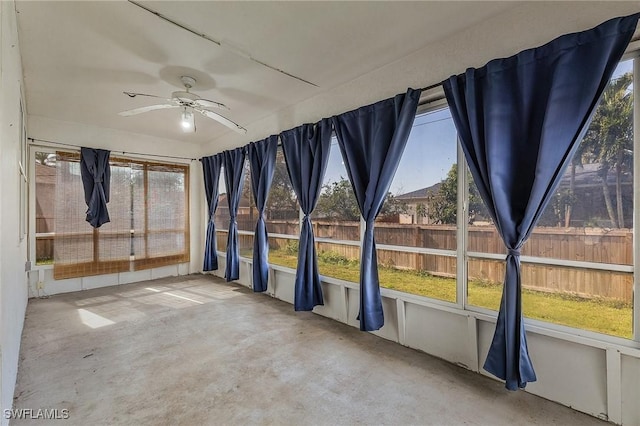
428,156
623,67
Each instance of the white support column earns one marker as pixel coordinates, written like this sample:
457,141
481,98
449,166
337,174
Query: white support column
461,236
300,219
614,386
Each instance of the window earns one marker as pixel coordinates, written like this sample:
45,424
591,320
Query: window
79,249
45,189
221,217
438,242
283,217
247,215
577,266
416,230
161,224
336,222
148,209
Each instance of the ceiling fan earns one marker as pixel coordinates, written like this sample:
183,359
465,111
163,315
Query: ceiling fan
189,102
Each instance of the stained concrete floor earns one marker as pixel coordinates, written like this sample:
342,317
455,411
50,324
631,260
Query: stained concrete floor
195,350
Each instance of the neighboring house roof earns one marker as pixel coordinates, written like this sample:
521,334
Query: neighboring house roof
420,193
587,175
244,201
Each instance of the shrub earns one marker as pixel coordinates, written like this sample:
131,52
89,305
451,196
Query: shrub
291,248
333,258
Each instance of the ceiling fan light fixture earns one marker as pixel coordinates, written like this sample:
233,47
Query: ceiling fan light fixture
188,121
189,103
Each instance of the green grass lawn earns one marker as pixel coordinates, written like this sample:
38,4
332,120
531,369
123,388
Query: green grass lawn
608,317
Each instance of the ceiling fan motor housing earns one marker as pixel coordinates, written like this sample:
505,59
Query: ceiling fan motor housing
186,96
188,82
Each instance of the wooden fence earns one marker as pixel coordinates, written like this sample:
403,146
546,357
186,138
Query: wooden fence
580,244
44,249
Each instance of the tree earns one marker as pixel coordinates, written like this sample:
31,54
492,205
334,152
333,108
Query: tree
443,205
282,199
337,201
43,158
560,208
247,193
392,207
609,141
567,201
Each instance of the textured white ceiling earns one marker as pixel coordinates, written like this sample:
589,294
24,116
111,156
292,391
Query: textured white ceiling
78,57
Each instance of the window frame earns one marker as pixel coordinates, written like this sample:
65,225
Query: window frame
135,263
545,261
635,55
148,262
434,99
23,166
33,236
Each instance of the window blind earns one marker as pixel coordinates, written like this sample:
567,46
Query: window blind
79,249
149,219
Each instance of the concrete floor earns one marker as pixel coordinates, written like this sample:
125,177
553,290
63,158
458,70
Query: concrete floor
195,350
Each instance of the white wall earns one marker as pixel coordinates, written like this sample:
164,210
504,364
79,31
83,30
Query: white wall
13,250
41,280
523,26
115,140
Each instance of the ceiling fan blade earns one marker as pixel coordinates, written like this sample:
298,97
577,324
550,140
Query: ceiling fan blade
206,103
214,116
133,95
146,109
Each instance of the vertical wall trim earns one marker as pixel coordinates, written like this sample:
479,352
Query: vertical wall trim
250,275
345,304
402,322
271,283
472,339
614,386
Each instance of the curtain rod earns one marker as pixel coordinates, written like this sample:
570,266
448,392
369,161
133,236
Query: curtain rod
424,89
433,86
118,151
